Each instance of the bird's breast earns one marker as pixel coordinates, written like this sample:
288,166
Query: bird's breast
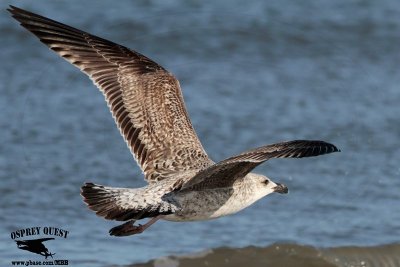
211,203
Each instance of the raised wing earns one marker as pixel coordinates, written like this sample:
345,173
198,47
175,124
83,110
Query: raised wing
42,239
224,173
145,100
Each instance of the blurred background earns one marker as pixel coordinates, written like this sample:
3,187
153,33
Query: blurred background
252,73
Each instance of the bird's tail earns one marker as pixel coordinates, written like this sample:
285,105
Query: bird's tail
123,204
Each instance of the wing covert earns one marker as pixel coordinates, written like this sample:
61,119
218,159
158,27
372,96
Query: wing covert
145,100
225,173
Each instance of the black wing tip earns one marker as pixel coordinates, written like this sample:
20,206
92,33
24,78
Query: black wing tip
90,187
312,148
332,148
87,185
23,16
18,12
335,149
12,9
15,11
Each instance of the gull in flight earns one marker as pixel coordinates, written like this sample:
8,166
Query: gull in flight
184,184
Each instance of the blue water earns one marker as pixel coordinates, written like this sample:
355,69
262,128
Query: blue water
251,74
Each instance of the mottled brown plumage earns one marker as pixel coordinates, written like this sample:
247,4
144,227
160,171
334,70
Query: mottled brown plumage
145,100
147,105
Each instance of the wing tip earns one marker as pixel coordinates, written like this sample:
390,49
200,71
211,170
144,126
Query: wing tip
18,12
12,8
324,147
333,148
23,16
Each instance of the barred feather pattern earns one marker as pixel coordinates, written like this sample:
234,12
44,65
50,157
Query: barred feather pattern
226,172
123,204
147,105
145,100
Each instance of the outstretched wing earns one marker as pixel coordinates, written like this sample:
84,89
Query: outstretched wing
145,100
42,239
224,173
39,240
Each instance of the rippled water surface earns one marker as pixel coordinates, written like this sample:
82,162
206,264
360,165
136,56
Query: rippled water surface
251,74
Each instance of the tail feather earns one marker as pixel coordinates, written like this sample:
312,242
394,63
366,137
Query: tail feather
124,204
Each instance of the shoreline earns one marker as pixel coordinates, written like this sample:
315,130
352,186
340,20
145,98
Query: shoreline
286,254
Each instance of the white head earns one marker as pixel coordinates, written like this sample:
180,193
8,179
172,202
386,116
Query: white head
265,186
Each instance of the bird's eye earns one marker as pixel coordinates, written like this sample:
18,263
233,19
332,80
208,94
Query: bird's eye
266,182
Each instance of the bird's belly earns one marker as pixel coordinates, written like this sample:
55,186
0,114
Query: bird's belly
209,204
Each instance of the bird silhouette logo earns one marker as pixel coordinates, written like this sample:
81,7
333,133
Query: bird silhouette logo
35,246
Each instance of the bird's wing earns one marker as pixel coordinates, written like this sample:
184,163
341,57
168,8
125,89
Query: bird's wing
45,239
224,173
38,240
145,99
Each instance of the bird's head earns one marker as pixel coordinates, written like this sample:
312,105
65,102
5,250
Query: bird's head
268,185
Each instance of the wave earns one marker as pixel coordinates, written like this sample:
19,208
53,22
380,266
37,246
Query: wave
286,255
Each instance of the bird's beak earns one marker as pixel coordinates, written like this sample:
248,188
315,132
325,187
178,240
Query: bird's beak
281,188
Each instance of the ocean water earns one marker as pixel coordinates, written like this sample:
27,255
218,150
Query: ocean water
252,74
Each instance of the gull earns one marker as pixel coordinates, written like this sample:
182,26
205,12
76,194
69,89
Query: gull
146,102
